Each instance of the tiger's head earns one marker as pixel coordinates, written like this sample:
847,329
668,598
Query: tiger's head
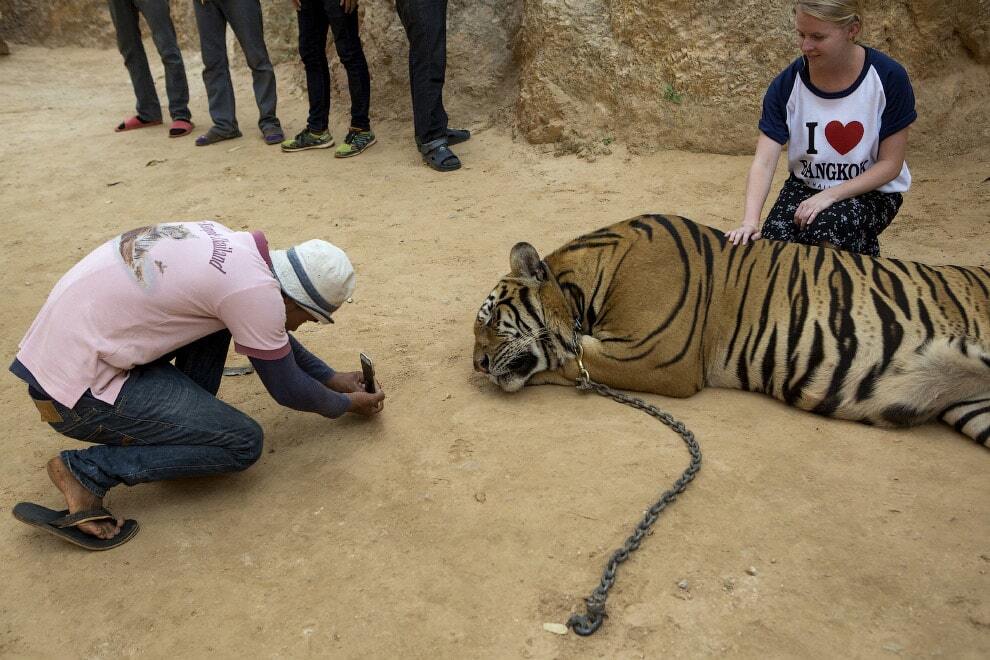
524,326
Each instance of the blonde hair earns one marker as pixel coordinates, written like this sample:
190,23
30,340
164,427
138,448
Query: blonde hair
840,12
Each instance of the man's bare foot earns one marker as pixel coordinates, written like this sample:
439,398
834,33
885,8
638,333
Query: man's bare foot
77,498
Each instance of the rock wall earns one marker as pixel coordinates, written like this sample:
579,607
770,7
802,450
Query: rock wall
691,73
581,74
481,74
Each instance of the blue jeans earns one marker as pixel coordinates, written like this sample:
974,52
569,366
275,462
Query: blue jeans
166,423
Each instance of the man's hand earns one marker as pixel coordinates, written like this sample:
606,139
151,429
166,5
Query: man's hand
349,5
297,4
346,382
366,404
809,209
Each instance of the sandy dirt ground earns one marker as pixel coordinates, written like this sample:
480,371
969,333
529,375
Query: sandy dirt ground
462,519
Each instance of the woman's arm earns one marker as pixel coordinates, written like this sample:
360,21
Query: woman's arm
890,160
757,190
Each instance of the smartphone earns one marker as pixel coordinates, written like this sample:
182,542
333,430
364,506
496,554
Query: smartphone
368,371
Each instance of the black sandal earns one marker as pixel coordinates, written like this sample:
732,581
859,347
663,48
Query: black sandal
457,135
438,155
454,136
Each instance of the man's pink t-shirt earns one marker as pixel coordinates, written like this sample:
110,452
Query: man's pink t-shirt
146,293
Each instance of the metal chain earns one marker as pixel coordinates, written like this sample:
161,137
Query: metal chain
586,624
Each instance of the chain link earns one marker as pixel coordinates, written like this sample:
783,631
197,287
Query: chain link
586,624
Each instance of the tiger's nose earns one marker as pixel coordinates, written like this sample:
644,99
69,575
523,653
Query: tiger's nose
482,364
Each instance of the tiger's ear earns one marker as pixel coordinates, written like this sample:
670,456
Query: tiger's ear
525,262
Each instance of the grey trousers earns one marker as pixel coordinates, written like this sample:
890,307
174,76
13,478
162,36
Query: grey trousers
156,12
244,17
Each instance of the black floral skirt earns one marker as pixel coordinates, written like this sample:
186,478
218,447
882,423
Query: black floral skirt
852,224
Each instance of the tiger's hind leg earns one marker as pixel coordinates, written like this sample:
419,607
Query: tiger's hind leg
945,378
971,417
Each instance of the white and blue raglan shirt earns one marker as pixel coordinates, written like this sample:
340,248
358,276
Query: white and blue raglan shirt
832,137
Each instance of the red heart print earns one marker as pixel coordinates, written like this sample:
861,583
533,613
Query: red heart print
843,138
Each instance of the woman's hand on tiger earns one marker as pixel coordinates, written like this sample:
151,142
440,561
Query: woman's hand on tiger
366,404
744,234
809,209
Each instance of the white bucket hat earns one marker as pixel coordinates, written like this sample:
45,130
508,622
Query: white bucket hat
317,275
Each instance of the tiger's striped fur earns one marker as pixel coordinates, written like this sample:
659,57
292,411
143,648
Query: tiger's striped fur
662,304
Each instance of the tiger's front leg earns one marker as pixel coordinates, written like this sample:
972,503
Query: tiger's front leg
549,378
679,380
568,373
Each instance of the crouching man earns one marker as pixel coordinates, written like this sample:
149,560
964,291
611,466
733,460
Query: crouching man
128,351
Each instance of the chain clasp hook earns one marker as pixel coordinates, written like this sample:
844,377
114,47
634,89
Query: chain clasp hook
584,378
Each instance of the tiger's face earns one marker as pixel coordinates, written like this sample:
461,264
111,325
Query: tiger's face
523,326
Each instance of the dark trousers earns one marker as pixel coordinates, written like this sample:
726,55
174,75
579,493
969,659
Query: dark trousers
156,12
167,423
316,18
244,17
853,224
425,22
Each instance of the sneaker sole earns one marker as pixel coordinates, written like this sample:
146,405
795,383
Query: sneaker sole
315,146
355,153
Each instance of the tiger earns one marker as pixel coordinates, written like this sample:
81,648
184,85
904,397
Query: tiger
664,305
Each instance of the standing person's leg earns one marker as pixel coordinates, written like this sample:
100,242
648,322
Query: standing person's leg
124,14
425,22
246,22
313,28
347,41
164,425
212,27
156,13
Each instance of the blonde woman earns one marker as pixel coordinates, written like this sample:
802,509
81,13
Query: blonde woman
843,110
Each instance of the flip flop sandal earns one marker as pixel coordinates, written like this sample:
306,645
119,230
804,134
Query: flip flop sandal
180,127
131,123
63,524
212,137
437,155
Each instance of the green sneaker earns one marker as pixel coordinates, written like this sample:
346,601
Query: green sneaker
355,142
308,140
